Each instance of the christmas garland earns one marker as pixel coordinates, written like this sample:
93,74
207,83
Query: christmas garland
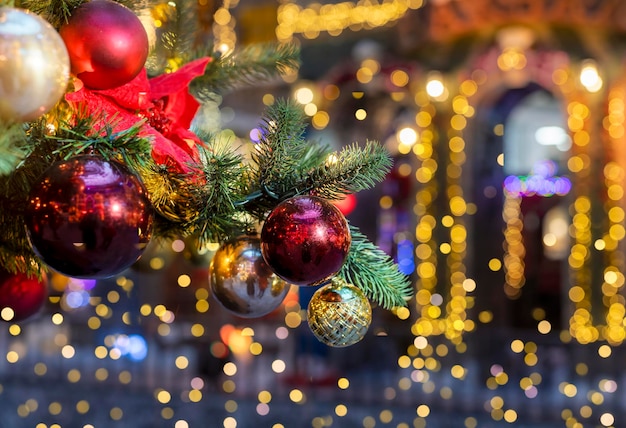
110,162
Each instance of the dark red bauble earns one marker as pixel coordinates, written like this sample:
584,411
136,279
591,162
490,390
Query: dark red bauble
107,44
89,218
305,240
24,294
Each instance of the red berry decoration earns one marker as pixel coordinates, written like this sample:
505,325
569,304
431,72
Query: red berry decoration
106,42
305,240
88,218
23,295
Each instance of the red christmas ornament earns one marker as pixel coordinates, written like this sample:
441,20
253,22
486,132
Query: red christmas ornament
106,42
305,240
24,295
88,218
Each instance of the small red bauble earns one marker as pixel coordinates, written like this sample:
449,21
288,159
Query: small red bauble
107,44
88,218
305,240
24,295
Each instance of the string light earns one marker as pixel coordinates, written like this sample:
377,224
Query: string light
335,18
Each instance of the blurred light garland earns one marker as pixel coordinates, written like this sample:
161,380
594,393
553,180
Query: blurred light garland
334,18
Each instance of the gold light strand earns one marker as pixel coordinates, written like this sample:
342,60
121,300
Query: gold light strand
443,314
458,301
334,18
513,246
615,331
582,326
426,251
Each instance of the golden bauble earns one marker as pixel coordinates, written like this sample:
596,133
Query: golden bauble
34,65
241,280
339,314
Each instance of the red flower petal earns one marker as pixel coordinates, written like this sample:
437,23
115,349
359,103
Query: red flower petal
121,107
181,106
134,95
178,81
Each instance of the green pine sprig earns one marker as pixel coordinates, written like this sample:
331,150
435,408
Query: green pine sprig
13,147
245,66
175,44
373,271
56,12
127,145
351,170
284,155
206,201
287,164
225,180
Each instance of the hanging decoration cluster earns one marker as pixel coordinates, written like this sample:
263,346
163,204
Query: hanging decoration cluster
100,157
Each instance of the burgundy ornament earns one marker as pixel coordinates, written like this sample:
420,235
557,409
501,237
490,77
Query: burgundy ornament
24,294
305,240
107,44
88,218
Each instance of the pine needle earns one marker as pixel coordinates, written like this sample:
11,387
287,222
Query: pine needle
374,272
225,178
282,148
287,164
351,170
56,12
13,147
248,66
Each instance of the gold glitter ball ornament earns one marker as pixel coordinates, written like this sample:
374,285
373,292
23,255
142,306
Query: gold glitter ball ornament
339,314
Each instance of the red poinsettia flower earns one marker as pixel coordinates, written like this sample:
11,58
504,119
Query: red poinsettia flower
163,101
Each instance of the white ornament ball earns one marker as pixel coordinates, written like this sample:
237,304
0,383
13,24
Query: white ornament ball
34,65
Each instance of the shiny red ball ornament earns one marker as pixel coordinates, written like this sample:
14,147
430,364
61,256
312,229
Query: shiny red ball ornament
107,44
24,295
305,240
88,218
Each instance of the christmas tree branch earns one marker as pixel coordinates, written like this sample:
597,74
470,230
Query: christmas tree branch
173,200
13,147
374,272
247,66
177,40
226,183
16,254
56,12
288,165
125,145
352,170
283,155
204,202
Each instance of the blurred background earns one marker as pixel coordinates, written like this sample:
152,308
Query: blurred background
505,206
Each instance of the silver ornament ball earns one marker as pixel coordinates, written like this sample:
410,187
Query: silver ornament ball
242,282
34,65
